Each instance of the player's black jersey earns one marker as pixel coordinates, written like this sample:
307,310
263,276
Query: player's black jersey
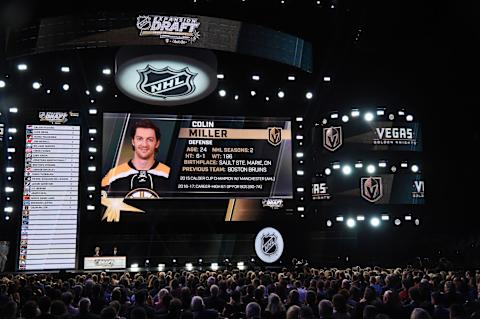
126,181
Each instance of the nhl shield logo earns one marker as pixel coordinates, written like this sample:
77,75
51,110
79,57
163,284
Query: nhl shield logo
371,188
166,83
274,135
332,138
269,244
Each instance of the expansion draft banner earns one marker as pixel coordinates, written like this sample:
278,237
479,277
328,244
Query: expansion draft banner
158,156
380,189
369,136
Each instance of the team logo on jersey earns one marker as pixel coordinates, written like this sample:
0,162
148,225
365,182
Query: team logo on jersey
274,135
177,30
167,82
269,245
371,188
332,138
142,193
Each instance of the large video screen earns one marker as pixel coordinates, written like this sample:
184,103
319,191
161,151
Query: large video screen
149,156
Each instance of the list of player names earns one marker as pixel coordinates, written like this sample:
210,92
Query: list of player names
48,236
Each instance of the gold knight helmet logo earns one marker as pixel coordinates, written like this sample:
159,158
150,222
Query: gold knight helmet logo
332,138
274,135
371,188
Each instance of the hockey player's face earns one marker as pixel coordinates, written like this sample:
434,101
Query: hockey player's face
145,143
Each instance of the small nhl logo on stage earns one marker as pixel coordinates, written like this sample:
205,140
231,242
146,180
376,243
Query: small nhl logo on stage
269,245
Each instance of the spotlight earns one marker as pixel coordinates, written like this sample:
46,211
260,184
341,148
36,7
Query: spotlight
255,77
281,94
334,116
355,113
328,171
385,217
408,217
309,95
200,260
339,219
220,76
65,87
2,84
329,223
375,222
380,112
409,118
99,88
241,265
107,71
393,169
351,223
36,85
252,260
336,166
65,69
326,79
360,218
174,261
299,154
7,217
161,267
391,117
22,67
397,222
253,93
235,97
417,222
214,266
189,266
382,164
300,172
369,117
358,165
9,189
370,169
222,93
414,168
345,118
90,207
8,209
87,92
401,113
291,78
346,170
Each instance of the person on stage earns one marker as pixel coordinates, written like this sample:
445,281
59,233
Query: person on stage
97,252
143,176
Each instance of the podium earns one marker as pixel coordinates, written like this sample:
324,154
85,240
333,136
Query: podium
105,262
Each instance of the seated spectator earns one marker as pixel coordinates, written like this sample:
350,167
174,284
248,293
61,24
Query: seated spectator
199,311
253,311
275,308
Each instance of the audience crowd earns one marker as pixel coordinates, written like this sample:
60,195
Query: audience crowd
306,293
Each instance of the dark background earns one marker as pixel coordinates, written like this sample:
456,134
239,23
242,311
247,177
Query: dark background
421,56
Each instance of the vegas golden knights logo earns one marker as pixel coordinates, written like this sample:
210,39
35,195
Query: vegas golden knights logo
371,188
274,135
332,138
